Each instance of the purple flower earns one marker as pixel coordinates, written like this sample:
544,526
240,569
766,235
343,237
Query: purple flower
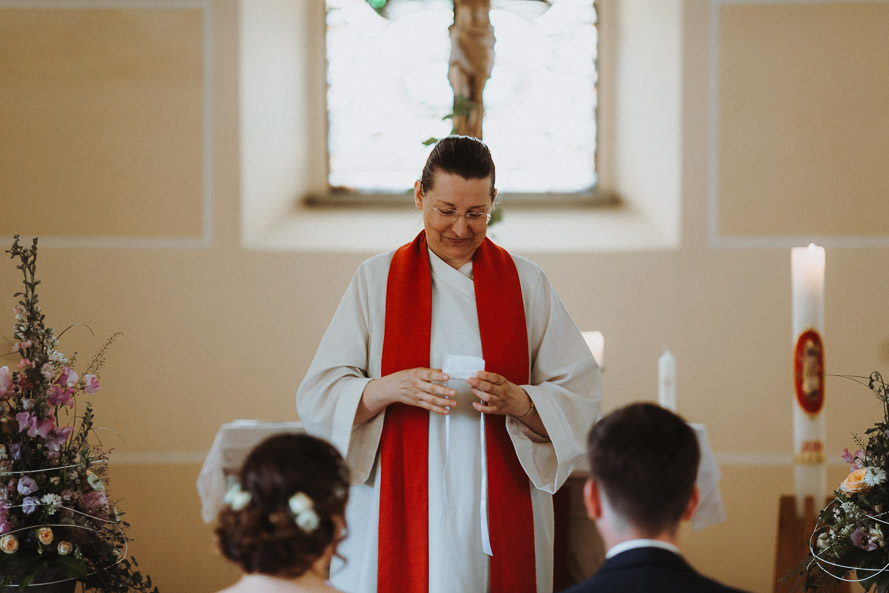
27,486
29,505
15,450
861,540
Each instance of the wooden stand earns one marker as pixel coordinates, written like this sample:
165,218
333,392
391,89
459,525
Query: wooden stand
793,546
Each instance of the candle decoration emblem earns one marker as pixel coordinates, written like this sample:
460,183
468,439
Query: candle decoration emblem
808,371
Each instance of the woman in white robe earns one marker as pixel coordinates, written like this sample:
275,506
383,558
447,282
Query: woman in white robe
546,420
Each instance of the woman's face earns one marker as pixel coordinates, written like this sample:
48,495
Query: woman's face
455,238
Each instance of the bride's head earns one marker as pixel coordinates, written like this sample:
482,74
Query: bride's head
287,509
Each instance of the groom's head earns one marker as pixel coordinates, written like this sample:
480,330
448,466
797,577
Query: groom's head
644,464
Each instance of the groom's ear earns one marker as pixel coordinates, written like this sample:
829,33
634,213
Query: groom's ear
692,504
592,499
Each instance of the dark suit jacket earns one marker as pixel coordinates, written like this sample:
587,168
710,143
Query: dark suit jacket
648,570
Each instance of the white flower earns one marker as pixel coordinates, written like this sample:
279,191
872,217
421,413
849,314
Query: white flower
308,520
236,498
64,548
850,508
874,476
3,454
823,539
47,370
53,501
876,536
303,510
299,503
94,480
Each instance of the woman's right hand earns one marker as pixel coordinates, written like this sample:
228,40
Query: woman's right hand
418,387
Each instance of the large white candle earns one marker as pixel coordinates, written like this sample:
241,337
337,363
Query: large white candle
595,341
666,393
807,282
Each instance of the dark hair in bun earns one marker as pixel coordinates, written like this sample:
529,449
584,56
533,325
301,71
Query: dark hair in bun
465,156
262,534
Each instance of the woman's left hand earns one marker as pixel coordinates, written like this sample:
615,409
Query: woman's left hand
498,395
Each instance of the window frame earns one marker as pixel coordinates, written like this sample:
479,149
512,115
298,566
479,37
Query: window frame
595,196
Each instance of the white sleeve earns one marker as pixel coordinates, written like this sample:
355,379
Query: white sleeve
328,397
565,386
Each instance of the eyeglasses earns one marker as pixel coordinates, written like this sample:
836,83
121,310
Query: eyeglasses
471,216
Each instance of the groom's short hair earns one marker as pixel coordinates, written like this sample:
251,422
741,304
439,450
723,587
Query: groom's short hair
645,460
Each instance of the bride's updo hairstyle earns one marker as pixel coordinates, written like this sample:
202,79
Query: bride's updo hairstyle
279,517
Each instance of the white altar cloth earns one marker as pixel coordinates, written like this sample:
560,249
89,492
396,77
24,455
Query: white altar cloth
231,445
710,508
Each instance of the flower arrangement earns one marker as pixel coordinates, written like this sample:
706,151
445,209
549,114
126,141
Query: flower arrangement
852,532
57,523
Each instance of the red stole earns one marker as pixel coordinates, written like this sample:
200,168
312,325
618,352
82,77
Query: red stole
403,555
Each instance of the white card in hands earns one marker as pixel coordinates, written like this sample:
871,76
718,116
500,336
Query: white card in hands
462,367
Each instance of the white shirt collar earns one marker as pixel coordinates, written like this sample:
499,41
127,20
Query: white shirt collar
632,544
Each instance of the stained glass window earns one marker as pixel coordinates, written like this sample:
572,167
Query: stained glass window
388,90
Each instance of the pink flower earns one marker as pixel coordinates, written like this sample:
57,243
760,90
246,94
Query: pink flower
5,383
95,503
68,378
91,383
35,427
24,420
856,459
47,370
57,437
43,427
19,346
25,363
58,396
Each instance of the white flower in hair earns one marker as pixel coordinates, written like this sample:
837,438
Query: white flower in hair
303,510
236,498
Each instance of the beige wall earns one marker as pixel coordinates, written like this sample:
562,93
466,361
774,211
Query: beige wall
214,331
